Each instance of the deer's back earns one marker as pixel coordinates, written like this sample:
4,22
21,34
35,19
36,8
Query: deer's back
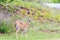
21,24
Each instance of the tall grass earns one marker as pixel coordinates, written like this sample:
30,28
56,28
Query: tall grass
6,26
3,27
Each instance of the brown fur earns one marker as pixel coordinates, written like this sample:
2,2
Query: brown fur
20,25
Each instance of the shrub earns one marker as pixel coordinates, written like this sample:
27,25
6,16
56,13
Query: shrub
4,28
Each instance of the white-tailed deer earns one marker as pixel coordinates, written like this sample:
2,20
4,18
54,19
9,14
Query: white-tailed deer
21,26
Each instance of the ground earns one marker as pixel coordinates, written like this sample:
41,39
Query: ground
33,35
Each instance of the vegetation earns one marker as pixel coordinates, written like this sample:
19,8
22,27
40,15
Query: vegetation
44,22
21,8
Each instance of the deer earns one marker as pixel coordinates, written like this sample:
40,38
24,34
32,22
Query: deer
21,26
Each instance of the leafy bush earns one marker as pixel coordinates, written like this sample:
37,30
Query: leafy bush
4,1
5,27
57,17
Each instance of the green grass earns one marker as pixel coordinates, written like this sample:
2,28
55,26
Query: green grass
32,35
35,34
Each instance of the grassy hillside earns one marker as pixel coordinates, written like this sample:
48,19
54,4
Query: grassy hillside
20,9
44,25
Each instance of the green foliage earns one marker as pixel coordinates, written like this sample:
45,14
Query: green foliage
4,1
4,28
56,1
47,15
57,17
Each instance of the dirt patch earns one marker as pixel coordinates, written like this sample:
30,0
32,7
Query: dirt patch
49,31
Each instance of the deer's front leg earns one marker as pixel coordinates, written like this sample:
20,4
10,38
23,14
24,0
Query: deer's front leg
17,30
25,31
